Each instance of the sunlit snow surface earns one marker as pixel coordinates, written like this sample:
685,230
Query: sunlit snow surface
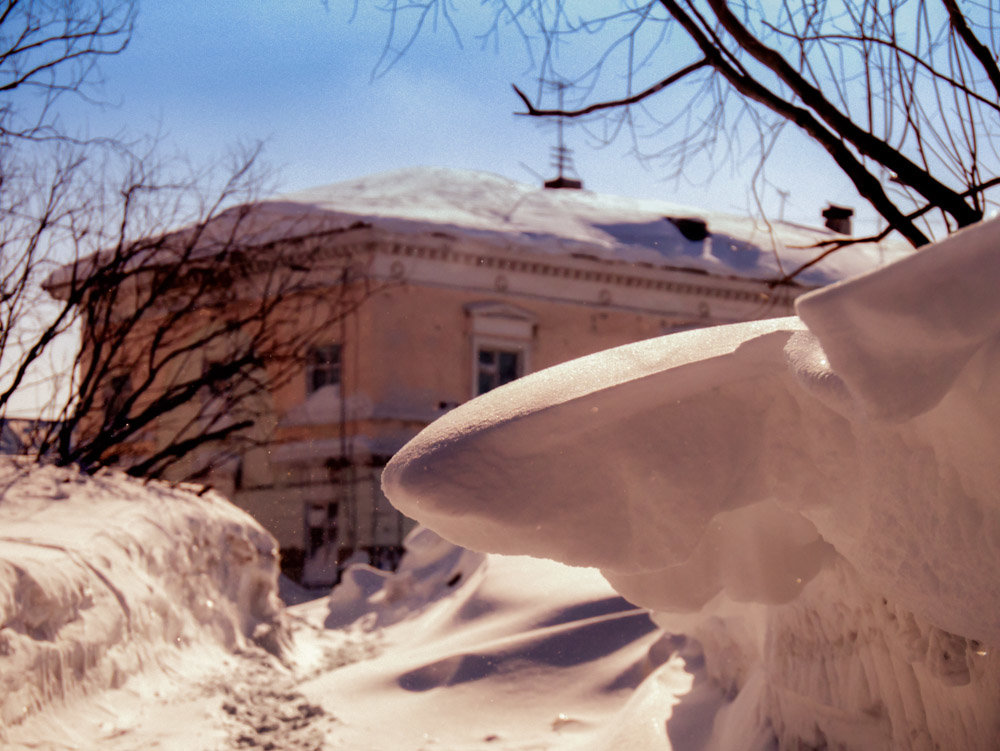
442,202
808,504
105,581
138,616
815,498
497,652
435,204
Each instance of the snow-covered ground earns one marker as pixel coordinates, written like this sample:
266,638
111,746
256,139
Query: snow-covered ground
808,505
142,616
106,579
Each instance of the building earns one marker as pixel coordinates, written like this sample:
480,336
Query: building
475,280
24,436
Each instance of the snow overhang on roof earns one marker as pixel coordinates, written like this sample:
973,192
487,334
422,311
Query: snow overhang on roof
435,200
428,203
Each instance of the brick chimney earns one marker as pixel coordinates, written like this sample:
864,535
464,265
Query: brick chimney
838,218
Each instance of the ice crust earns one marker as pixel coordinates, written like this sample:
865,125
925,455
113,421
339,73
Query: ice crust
813,497
104,577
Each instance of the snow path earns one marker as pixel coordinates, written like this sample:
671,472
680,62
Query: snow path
342,690
202,699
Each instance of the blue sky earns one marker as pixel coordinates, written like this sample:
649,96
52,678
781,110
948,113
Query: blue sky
208,75
298,74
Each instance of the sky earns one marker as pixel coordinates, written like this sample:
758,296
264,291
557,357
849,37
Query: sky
307,78
299,75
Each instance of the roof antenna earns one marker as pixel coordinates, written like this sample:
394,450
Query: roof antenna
562,155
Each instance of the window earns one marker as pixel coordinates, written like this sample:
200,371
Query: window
496,367
321,526
502,336
323,367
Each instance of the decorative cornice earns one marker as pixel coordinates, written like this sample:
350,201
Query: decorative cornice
361,240
727,288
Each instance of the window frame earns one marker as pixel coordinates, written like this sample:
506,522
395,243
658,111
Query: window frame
490,344
329,366
499,327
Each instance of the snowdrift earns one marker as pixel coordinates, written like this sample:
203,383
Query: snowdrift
813,498
505,652
103,577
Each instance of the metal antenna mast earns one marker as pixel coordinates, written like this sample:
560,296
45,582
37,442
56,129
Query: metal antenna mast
562,155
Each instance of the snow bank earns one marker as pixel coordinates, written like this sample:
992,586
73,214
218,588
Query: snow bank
103,577
816,494
432,569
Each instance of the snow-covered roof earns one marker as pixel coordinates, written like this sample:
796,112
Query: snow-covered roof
440,201
431,204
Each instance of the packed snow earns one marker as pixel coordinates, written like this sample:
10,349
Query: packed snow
102,579
812,498
138,615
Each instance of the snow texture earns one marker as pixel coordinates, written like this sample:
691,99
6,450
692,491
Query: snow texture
498,652
442,203
103,578
813,498
437,204
131,612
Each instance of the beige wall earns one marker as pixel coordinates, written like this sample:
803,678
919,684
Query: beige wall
408,355
408,350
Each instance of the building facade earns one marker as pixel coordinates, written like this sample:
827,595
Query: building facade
472,281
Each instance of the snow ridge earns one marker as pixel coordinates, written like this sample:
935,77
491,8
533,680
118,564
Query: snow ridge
171,569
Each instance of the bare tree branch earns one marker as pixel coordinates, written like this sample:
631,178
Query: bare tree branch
903,95
613,104
982,53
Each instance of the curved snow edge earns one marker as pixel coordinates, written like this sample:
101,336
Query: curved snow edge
103,577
